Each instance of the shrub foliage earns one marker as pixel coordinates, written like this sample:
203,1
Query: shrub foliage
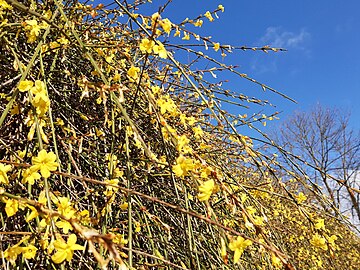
115,152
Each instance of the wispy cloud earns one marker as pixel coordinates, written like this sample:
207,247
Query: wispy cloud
278,37
345,26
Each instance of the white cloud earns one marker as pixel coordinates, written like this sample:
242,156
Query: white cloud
277,37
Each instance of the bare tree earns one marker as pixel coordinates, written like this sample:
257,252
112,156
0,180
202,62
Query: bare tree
330,151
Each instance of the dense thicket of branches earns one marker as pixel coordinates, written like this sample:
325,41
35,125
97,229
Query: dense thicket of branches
115,154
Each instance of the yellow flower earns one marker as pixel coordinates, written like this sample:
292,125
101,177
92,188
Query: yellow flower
221,7
183,119
216,46
275,261
29,252
64,207
64,225
133,73
332,239
182,142
33,30
137,226
53,45
110,189
39,88
147,45
119,239
166,104
155,16
4,169
205,172
45,162
251,210
25,86
11,253
183,166
124,206
238,246
259,221
198,132
11,207
301,197
209,16
191,120
29,176
319,242
167,132
166,25
33,214
319,224
206,189
63,40
177,33
41,102
186,36
65,251
160,50
223,248
198,23
4,5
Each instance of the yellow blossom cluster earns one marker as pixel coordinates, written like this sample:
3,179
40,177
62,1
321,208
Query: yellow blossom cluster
24,247
33,29
156,21
44,163
167,105
150,46
64,250
4,6
40,99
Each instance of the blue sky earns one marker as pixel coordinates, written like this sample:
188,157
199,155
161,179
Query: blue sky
322,64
